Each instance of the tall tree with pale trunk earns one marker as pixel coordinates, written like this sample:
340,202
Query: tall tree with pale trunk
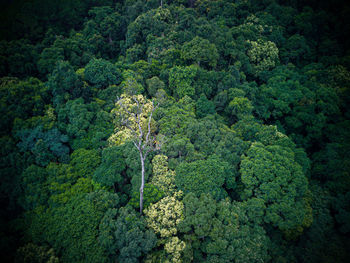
134,115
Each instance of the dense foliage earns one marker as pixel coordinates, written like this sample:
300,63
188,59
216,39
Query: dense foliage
251,133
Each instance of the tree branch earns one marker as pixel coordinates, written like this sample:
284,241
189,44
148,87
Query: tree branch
120,102
149,125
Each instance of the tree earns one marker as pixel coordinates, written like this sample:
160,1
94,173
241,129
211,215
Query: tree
46,146
154,22
72,229
221,231
181,81
202,176
20,99
272,174
125,236
263,55
204,106
34,253
200,50
296,49
153,85
48,59
112,165
64,84
35,192
101,73
163,178
239,106
133,112
104,31
164,218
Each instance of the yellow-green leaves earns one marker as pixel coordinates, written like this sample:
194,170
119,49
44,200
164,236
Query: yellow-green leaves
175,246
263,55
163,178
125,114
164,216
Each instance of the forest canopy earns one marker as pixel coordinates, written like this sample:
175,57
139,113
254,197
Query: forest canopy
174,131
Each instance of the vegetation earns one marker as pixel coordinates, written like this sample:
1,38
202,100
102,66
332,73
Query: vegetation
174,131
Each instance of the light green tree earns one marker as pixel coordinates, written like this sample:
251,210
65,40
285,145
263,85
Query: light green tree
263,55
164,218
163,177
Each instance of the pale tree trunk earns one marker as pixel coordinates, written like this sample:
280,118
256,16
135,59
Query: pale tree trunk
142,181
143,145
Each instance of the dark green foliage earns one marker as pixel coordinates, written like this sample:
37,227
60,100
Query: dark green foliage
331,164
85,162
111,167
271,173
34,253
32,20
180,81
76,49
200,51
151,195
125,236
204,107
104,30
253,124
101,73
12,163
46,146
303,108
206,133
322,243
18,58
202,176
239,107
174,119
86,125
34,185
153,22
153,85
65,84
295,49
48,59
20,99
78,219
343,212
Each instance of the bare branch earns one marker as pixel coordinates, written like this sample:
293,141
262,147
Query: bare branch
149,127
139,122
135,145
149,124
138,118
127,125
